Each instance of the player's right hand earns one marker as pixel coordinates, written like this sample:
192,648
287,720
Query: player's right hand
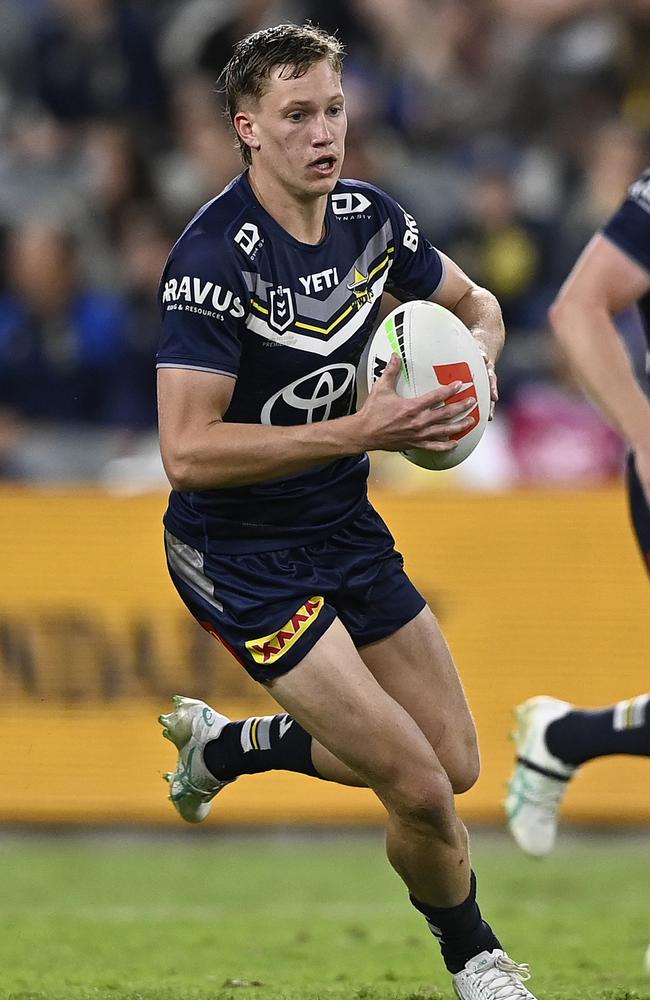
390,423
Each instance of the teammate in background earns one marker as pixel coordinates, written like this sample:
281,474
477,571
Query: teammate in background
268,299
554,738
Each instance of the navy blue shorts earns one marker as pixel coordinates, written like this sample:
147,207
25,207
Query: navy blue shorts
270,608
639,510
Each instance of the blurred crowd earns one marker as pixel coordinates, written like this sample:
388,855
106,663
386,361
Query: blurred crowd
509,128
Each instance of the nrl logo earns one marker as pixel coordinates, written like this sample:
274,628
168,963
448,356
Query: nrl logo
281,308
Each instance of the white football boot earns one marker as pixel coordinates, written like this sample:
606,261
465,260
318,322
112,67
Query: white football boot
190,726
492,976
539,781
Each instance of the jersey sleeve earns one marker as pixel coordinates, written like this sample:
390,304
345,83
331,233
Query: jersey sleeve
417,268
203,302
629,228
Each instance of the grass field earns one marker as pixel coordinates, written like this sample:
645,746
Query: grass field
302,918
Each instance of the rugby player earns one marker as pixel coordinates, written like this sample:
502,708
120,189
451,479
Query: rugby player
268,299
555,738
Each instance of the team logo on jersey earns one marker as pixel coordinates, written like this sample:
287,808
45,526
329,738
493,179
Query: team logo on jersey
314,395
271,647
350,203
359,286
281,308
249,239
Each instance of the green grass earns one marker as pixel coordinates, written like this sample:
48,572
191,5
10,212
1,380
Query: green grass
320,918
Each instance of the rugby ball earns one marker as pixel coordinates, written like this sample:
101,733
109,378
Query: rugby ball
435,348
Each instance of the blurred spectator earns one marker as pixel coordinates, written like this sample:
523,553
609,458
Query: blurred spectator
63,348
40,171
203,157
144,243
96,59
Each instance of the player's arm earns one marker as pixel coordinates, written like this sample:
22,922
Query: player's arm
603,283
478,309
200,451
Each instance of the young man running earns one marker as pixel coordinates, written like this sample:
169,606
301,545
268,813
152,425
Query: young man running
269,298
555,738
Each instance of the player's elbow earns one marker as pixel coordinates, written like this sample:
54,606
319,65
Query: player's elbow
562,317
188,470
181,467
179,473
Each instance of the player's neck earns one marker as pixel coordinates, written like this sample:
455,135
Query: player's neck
304,220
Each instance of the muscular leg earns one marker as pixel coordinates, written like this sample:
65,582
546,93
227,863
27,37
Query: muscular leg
414,666
333,695
360,729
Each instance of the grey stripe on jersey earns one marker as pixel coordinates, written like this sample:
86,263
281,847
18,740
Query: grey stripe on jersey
324,309
304,342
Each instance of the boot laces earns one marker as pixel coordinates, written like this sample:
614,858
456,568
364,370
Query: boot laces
503,980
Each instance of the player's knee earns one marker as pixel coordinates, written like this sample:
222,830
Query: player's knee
464,771
424,802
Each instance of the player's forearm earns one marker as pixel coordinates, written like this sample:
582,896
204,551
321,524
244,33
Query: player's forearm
602,364
226,455
479,310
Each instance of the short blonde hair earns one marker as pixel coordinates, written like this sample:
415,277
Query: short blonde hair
293,47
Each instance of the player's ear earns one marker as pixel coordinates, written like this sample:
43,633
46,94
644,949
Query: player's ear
244,124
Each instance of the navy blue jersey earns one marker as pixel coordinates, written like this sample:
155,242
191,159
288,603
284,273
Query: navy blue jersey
289,322
629,229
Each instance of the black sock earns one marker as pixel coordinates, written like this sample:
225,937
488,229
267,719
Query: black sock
261,743
461,930
583,734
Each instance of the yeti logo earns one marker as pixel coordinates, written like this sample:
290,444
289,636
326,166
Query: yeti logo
281,311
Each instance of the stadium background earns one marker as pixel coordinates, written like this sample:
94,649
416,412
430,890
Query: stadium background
510,130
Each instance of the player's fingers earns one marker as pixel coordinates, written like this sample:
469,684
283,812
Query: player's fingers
451,411
438,445
434,398
391,372
447,429
494,387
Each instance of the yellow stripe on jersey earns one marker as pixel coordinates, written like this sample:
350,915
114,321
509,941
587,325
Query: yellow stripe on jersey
326,330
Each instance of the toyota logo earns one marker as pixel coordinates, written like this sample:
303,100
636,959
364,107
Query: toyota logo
313,393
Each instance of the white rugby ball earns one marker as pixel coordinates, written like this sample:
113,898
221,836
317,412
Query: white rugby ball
435,348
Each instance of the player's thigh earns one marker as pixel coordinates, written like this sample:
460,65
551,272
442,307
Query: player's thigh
333,695
415,667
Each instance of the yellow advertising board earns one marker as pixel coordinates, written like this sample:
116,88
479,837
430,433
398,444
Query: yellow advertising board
537,592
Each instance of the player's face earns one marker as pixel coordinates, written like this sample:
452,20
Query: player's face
299,129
